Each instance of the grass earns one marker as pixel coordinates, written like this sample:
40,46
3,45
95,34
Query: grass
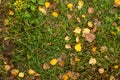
41,37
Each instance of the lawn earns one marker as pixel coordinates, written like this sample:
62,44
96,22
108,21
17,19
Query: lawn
59,39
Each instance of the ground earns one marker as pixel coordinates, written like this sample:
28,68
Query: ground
59,39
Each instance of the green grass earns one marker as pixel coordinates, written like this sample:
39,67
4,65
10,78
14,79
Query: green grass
29,32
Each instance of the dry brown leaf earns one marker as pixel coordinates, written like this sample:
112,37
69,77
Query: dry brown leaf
7,67
94,50
72,61
97,23
46,66
94,30
14,73
61,62
90,10
74,75
69,16
103,49
89,37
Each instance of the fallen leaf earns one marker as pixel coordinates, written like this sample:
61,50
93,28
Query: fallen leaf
69,16
72,61
67,38
90,24
89,37
47,4
36,75
78,47
67,46
90,10
103,49
77,39
92,61
6,22
83,16
53,62
116,66
65,77
80,4
77,30
94,50
74,76
77,59
78,19
84,31
21,74
118,28
61,62
11,12
101,70
7,67
112,77
46,66
14,72
31,72
117,3
55,14
42,10
70,6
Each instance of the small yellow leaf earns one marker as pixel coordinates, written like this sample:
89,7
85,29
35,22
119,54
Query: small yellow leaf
90,24
84,31
55,14
77,30
21,74
80,4
116,66
36,75
70,5
42,10
31,71
112,77
78,47
83,15
92,61
94,50
11,12
77,59
117,3
6,22
53,62
47,4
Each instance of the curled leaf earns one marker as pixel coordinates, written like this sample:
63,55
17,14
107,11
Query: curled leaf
67,46
89,37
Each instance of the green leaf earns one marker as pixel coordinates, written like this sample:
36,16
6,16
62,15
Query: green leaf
41,2
34,1
33,7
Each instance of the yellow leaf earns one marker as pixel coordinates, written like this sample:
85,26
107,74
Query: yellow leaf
94,50
21,74
117,3
78,47
65,77
83,15
31,72
116,66
80,4
90,24
53,62
47,4
11,13
77,30
6,22
77,39
55,14
70,5
85,30
42,10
